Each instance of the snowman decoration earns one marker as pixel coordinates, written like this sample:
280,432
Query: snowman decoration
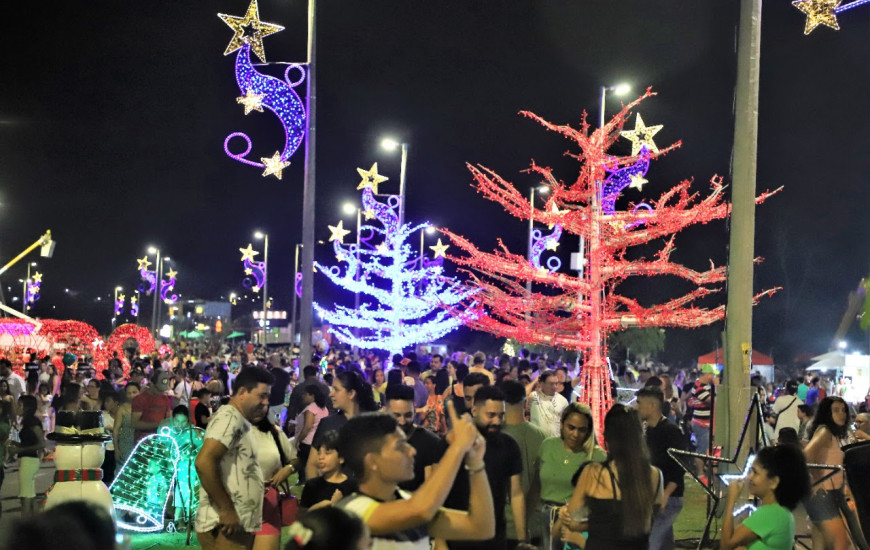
80,438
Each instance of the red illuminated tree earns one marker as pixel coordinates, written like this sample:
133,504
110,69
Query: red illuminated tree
578,312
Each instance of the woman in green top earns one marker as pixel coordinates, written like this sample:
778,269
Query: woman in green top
560,457
780,479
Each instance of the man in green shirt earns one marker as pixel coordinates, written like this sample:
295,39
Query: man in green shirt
529,437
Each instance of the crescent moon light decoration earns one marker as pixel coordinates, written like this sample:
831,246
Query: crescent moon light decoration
260,90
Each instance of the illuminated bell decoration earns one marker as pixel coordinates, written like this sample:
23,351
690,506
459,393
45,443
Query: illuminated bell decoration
409,299
141,489
189,440
261,91
577,312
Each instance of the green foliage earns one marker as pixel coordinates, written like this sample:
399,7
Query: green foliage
637,342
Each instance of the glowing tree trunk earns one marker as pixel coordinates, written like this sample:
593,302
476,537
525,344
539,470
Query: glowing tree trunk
578,312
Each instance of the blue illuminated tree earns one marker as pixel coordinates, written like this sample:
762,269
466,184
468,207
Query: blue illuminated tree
407,299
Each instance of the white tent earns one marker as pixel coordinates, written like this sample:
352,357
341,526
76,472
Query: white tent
828,361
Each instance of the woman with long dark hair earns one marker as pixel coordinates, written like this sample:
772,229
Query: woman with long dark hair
351,396
621,494
274,458
32,440
780,479
827,434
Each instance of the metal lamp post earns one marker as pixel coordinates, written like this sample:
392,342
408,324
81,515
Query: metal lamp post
265,237
391,145
543,190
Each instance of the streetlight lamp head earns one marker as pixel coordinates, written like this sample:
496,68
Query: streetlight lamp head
842,344
621,89
118,288
389,144
348,208
152,250
430,230
543,190
259,234
167,259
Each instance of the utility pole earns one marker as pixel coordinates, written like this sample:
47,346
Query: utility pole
735,393
305,315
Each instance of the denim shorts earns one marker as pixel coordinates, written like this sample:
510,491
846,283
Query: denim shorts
825,504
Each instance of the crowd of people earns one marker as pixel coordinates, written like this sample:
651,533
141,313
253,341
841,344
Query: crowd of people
459,452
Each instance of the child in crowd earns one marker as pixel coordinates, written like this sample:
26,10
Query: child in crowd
333,484
328,529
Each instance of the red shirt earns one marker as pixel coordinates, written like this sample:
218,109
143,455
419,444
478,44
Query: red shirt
154,408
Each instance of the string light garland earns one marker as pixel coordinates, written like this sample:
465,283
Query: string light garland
410,297
115,345
824,12
261,91
141,489
577,312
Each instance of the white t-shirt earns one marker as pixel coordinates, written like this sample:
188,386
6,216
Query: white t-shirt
546,412
786,407
182,393
267,452
239,472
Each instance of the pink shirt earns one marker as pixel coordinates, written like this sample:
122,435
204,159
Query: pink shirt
318,412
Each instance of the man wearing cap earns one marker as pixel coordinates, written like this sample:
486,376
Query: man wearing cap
701,401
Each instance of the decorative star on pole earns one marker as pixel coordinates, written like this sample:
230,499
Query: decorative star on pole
370,178
338,232
133,299
37,277
248,253
249,30
439,249
637,181
143,263
818,12
369,214
553,210
171,273
252,101
642,135
274,165
552,244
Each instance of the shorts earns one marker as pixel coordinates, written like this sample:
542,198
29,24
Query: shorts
702,438
825,505
215,540
27,477
271,513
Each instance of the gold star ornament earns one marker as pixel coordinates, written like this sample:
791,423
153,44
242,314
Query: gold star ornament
818,12
251,101
552,244
171,273
37,277
144,263
133,299
370,178
637,182
641,136
249,30
274,165
338,232
439,249
369,214
122,297
248,253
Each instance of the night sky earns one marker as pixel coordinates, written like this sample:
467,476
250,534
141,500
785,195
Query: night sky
113,116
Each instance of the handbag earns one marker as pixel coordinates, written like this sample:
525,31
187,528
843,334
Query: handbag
288,506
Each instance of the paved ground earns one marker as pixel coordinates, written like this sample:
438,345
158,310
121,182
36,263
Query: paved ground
9,502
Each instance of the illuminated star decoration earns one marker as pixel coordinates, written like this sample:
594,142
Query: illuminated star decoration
251,101
274,165
119,304
97,344
622,177
641,136
248,253
261,91
144,263
167,286
370,178
249,30
637,181
553,210
134,306
439,249
338,232
255,271
149,278
818,12
542,242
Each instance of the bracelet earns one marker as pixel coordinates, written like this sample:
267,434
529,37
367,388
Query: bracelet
476,470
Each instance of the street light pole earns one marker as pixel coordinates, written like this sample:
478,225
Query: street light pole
308,191
531,229
114,305
265,238
402,169
293,318
24,291
158,272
